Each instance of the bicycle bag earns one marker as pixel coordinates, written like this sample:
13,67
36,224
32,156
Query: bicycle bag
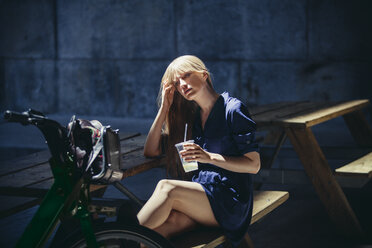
96,149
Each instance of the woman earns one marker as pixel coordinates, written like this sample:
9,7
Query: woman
220,192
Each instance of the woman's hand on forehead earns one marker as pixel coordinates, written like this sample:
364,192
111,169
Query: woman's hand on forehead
167,84
167,94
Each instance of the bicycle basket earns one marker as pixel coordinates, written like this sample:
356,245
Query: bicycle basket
96,149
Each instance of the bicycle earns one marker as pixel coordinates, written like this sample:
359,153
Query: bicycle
81,153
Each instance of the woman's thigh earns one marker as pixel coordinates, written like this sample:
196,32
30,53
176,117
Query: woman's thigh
190,198
176,223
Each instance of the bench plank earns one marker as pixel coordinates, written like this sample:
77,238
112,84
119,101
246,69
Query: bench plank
325,114
19,199
271,107
133,144
264,203
302,114
361,167
267,118
38,171
30,172
27,176
28,161
16,204
135,163
35,159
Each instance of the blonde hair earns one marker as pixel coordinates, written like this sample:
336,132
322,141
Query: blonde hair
180,112
183,64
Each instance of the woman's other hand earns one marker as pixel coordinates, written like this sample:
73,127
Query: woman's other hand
167,96
193,152
248,163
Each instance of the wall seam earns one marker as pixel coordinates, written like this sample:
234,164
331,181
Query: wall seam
56,57
307,9
55,20
175,27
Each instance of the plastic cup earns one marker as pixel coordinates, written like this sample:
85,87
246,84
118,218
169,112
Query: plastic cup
187,165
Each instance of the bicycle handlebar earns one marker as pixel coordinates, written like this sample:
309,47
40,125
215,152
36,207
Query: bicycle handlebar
54,133
63,148
13,116
28,117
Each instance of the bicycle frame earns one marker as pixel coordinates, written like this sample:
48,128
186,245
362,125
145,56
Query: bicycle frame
65,196
78,158
69,194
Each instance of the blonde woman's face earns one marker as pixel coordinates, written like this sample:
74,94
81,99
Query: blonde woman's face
188,84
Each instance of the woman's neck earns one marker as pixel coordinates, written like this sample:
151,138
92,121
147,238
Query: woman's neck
206,100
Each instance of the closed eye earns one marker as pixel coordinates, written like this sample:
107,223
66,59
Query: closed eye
183,77
186,75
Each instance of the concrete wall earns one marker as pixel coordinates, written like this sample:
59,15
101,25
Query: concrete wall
106,57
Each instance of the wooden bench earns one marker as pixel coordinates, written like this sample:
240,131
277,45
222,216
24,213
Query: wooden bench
357,173
296,120
361,167
264,203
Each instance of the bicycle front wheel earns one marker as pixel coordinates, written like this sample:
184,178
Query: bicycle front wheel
114,235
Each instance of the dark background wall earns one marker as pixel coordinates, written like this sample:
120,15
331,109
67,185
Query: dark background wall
106,57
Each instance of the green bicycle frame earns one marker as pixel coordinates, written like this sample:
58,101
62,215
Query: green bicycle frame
68,194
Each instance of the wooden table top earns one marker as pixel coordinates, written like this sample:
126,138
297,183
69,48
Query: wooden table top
302,114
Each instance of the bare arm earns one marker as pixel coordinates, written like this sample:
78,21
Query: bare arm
248,163
153,142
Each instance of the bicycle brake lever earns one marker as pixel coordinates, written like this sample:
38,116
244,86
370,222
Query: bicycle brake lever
35,112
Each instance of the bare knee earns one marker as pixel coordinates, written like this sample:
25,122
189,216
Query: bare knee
164,184
166,187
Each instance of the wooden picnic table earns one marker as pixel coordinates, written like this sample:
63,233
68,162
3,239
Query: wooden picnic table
295,120
25,180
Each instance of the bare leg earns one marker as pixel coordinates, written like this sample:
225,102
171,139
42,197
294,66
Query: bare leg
176,223
188,198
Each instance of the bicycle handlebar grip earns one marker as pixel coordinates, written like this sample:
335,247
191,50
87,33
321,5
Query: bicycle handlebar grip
13,116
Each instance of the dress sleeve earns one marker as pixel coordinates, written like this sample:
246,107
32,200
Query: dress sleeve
243,128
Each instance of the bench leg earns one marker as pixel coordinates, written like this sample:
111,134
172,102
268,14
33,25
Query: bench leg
246,242
97,190
325,184
359,128
267,162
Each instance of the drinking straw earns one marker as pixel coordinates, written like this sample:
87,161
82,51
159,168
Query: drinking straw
184,138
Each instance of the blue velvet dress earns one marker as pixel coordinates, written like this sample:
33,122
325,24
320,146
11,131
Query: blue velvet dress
229,131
